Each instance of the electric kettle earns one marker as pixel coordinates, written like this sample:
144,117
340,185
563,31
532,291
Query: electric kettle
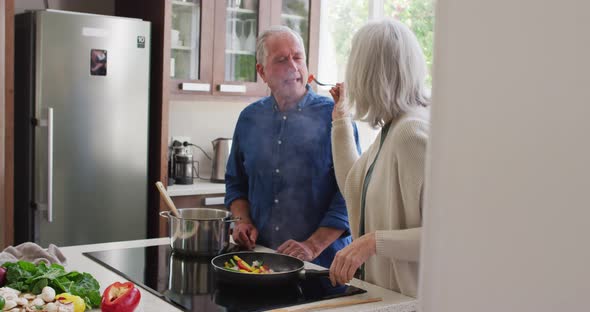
221,148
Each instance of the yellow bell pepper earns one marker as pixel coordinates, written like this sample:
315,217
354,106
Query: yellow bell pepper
79,304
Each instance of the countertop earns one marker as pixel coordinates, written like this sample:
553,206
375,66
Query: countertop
392,301
199,187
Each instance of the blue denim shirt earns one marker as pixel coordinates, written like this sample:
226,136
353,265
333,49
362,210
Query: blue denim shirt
281,162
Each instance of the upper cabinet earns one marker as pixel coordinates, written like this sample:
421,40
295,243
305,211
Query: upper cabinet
212,47
185,41
237,26
208,47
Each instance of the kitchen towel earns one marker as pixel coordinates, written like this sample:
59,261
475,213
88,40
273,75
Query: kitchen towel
33,253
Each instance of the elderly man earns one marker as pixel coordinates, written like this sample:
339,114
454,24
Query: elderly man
280,177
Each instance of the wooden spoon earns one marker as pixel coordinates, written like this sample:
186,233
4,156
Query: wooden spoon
167,199
330,305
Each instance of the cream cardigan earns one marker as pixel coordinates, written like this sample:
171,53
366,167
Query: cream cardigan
393,195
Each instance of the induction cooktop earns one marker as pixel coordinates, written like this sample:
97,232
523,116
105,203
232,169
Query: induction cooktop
189,282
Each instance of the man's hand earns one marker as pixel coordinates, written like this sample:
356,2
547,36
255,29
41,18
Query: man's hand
245,234
349,259
296,249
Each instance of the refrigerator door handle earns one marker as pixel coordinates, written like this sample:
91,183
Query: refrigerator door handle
50,164
49,124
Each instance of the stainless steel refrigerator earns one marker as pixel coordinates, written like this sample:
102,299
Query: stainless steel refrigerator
81,128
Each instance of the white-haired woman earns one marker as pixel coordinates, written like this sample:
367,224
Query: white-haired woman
385,86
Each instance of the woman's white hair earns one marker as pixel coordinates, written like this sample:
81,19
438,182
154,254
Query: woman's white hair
386,73
261,52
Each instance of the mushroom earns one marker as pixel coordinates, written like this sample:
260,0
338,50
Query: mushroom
51,307
22,301
48,294
28,296
9,304
37,302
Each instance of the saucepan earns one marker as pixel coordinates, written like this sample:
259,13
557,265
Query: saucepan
199,231
190,275
287,269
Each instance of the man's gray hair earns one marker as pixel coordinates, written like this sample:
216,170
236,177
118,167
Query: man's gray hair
386,73
262,53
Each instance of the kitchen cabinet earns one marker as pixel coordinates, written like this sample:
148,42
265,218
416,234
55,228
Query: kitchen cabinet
212,48
209,47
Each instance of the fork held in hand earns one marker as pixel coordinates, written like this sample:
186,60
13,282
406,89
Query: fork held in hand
323,84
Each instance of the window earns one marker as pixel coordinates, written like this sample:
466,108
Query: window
339,22
419,16
341,19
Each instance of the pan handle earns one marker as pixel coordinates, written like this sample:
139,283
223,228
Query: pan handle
306,274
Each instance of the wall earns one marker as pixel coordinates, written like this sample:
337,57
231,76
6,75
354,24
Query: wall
507,205
205,121
106,7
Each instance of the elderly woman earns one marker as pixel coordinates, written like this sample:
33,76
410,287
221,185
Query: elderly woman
385,86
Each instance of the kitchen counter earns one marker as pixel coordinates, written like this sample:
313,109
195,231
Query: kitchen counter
392,301
199,187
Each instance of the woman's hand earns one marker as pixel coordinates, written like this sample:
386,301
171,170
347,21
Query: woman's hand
349,259
338,93
245,234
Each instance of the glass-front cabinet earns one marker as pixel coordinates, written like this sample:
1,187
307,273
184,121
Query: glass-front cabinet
189,40
234,69
185,39
212,43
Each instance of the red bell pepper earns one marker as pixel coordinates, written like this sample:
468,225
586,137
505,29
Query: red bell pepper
120,297
242,264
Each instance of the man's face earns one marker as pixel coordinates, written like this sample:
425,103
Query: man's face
284,70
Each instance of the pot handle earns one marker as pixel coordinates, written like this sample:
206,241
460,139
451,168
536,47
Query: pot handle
165,214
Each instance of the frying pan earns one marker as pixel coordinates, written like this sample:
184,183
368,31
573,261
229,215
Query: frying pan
287,269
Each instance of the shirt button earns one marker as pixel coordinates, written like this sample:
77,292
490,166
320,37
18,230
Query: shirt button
280,142
276,201
277,170
284,117
276,228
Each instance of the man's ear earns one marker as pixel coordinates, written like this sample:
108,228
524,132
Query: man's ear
260,70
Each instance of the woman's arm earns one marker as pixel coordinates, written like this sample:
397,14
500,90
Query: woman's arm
344,149
399,244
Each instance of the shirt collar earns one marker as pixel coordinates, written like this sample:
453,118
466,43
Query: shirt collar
307,98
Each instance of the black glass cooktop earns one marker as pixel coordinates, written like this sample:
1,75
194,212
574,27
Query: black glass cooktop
189,282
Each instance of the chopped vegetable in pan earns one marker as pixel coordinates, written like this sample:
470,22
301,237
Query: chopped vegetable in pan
239,265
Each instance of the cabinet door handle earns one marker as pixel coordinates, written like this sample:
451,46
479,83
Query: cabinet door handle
211,201
232,88
190,86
